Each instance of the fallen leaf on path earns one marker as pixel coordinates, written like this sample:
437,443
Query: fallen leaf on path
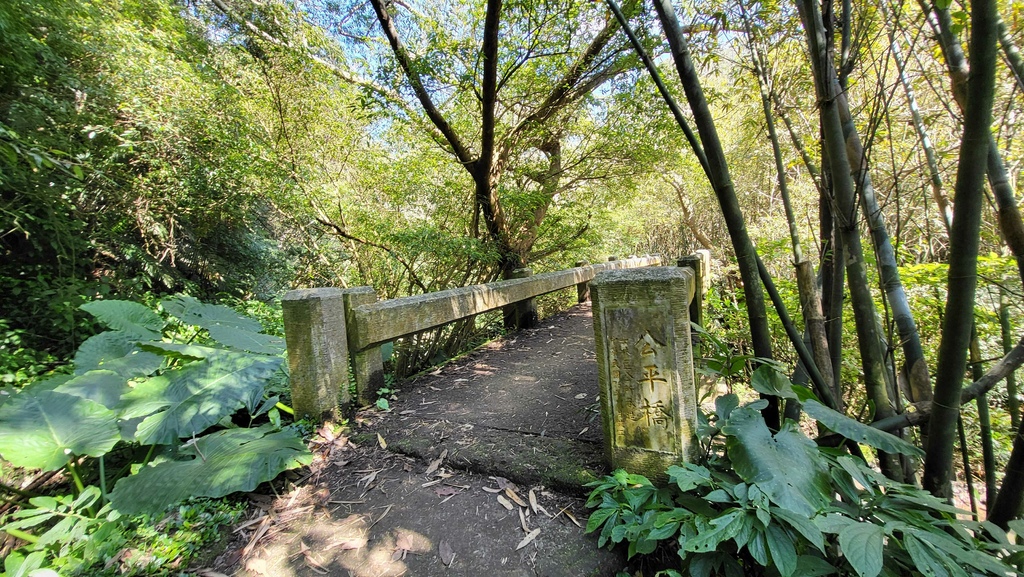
432,483
371,477
491,489
515,497
404,541
526,540
446,491
585,429
537,507
522,520
504,502
502,482
581,396
380,440
436,463
407,412
572,518
446,553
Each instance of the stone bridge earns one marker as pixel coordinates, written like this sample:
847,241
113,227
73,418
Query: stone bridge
547,403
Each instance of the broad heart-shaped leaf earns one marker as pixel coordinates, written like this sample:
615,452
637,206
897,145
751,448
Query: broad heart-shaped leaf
42,429
127,316
769,381
116,351
186,401
859,432
103,387
786,466
244,340
193,312
862,546
222,463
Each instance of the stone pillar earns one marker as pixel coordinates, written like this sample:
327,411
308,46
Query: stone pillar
523,314
314,327
583,288
645,367
367,365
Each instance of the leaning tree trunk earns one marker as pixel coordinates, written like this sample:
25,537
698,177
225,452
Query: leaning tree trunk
810,300
963,250
722,183
866,316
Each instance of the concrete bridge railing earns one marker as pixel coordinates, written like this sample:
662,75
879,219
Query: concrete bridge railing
330,330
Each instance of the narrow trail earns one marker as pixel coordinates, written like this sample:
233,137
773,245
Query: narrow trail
476,471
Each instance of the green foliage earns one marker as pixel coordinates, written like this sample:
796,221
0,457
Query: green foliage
776,504
77,541
136,387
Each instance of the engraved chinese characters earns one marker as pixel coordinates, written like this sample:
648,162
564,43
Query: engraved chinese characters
648,403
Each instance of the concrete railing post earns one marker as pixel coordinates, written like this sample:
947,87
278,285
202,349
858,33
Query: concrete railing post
314,327
583,288
699,265
523,314
367,365
645,367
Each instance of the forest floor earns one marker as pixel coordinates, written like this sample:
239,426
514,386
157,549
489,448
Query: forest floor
478,469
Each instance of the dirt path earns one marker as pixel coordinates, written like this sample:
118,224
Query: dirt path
476,471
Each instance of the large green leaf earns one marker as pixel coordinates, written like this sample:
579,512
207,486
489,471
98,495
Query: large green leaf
221,463
769,381
186,401
103,387
244,340
41,429
786,466
193,312
129,317
857,431
116,351
862,546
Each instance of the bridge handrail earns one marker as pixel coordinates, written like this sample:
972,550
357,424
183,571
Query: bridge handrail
391,319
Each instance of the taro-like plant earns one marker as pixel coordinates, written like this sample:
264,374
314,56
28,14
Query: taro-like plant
764,503
166,392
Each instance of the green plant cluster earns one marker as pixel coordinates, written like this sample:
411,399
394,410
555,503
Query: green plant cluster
764,503
157,411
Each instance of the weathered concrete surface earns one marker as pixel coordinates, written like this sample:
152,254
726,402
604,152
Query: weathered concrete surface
525,407
314,322
645,367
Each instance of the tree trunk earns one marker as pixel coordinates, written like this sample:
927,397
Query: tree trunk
963,250
810,300
722,183
865,314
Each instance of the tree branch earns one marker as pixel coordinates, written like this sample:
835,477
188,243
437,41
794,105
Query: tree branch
405,62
